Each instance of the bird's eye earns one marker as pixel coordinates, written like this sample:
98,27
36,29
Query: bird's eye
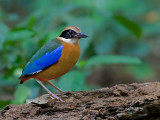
71,34
68,34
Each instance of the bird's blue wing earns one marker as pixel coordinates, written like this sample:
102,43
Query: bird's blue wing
46,56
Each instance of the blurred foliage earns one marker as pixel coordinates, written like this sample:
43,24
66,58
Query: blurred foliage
129,30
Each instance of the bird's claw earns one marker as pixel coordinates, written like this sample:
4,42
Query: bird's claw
56,97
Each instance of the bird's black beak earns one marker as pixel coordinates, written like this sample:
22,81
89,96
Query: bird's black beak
80,35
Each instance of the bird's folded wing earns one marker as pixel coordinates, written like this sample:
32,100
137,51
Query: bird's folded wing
49,54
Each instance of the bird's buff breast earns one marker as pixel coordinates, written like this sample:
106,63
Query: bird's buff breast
70,55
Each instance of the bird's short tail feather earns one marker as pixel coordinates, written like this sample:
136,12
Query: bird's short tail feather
24,78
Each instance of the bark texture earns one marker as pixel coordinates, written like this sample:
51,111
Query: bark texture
121,102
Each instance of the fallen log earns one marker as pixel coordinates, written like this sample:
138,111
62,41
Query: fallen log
121,102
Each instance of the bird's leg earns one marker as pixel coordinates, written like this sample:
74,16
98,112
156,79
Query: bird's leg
50,93
54,86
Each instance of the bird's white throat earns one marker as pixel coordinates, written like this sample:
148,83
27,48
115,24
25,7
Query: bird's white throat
71,41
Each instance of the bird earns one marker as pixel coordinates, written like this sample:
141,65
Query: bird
54,59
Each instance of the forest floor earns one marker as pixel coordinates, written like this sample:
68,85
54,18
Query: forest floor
120,102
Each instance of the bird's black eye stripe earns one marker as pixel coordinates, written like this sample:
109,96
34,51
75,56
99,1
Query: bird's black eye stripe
68,34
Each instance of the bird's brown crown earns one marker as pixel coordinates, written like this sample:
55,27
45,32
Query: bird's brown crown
74,28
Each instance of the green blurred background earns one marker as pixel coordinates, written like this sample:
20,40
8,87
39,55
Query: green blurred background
123,44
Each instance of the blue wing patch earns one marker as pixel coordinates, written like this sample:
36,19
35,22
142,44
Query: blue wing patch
41,63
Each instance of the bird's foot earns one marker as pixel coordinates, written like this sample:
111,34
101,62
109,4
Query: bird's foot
50,93
53,96
57,94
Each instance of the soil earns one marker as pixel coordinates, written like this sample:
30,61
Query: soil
121,102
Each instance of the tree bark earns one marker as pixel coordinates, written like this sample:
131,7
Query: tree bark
121,102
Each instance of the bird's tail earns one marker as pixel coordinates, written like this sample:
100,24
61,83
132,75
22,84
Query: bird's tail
24,78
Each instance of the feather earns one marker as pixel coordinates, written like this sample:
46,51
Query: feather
49,54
